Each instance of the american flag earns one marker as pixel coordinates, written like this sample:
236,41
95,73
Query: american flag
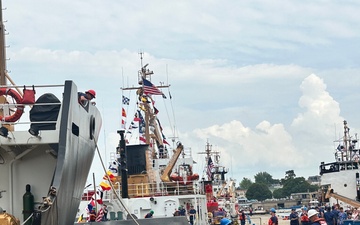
209,168
100,215
151,89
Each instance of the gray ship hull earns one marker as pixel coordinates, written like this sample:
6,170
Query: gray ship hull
55,163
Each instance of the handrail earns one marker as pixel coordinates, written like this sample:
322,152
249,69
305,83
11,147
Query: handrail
31,86
179,189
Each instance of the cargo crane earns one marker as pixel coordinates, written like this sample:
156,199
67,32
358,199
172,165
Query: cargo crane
330,193
165,177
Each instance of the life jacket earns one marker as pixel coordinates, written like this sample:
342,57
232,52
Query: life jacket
241,216
304,218
271,222
321,221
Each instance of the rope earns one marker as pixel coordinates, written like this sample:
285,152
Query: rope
112,186
173,111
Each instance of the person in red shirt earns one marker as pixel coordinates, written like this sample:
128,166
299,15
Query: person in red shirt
273,219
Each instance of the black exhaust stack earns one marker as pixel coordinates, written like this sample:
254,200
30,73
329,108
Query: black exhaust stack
121,150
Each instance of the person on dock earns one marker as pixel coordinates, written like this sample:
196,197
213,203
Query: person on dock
342,216
273,219
329,216
314,218
294,217
304,217
242,217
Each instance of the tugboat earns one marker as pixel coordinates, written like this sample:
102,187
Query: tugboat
45,157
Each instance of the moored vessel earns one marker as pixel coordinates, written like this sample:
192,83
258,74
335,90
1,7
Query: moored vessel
47,144
342,175
149,173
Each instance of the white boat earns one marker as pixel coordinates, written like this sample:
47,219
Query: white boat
151,176
342,175
47,145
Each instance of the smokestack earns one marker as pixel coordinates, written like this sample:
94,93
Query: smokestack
123,164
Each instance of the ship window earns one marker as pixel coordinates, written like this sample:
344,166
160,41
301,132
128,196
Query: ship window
75,129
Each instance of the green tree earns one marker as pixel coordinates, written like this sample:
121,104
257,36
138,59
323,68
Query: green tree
258,191
297,185
290,174
279,193
245,183
264,178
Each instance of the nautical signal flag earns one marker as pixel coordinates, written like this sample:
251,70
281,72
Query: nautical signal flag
109,175
105,186
125,100
80,218
165,142
151,89
123,113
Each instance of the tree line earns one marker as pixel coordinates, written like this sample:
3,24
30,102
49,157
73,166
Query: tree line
260,191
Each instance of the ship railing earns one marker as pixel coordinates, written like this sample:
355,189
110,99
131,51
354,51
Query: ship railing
8,105
149,189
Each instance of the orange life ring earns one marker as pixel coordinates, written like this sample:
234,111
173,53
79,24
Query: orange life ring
19,108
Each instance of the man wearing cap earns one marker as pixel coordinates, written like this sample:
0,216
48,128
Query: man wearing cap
314,218
294,217
273,219
85,97
242,217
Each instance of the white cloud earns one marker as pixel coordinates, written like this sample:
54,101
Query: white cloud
239,72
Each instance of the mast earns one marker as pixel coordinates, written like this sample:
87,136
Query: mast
208,152
2,49
149,113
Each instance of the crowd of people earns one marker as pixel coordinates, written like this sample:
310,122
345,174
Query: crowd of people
335,215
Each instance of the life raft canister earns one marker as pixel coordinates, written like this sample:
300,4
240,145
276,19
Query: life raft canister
19,108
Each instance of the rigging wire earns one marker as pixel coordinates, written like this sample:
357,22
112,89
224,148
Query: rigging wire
112,186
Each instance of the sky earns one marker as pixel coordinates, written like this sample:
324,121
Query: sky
266,83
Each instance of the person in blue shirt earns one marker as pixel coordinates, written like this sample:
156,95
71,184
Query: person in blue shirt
329,216
342,216
192,213
294,217
182,211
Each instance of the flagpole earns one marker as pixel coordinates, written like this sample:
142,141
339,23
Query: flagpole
95,193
